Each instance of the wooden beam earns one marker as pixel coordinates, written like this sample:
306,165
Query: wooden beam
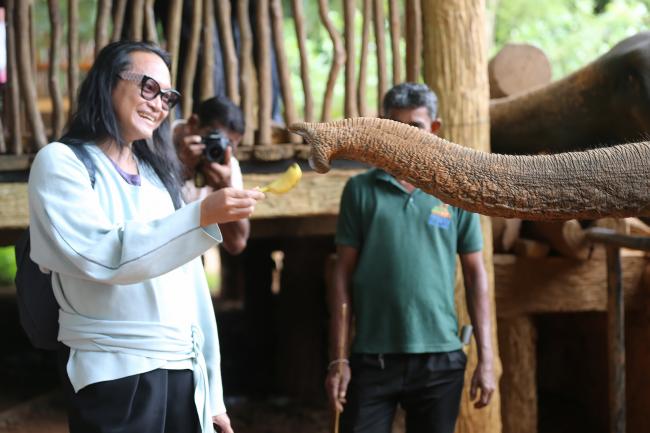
558,284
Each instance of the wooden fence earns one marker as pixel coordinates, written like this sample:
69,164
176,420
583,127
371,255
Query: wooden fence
32,116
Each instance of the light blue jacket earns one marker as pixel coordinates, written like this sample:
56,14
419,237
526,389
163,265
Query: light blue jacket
126,272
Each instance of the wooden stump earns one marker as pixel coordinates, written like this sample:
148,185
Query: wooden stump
518,68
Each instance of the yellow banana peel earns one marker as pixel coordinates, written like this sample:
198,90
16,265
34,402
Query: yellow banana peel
285,182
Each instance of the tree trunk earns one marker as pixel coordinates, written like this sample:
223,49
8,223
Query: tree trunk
349,12
137,19
413,40
207,85
395,35
246,69
150,22
101,27
265,92
224,13
363,60
118,20
380,40
187,85
301,36
55,62
174,35
455,33
337,60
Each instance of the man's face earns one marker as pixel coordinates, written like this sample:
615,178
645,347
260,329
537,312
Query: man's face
418,117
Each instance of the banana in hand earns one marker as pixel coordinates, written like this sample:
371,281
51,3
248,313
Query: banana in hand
285,182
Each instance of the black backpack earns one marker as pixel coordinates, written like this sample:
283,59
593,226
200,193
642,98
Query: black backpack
37,306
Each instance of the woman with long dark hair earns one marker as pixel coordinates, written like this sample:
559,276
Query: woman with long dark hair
140,348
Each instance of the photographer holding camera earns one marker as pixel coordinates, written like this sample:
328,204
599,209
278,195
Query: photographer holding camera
206,143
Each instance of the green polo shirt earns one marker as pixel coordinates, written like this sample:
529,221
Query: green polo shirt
403,285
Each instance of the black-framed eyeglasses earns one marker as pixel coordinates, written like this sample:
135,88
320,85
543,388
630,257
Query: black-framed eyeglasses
149,89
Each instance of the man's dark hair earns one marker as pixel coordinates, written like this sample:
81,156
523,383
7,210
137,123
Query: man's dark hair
411,95
94,119
223,111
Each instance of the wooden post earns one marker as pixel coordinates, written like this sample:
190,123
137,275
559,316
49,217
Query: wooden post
338,59
25,77
174,35
382,82
15,120
101,26
363,60
228,49
191,59
118,20
73,53
150,22
413,40
616,341
301,36
55,64
395,35
265,92
137,20
349,11
455,32
207,85
518,343
277,18
246,69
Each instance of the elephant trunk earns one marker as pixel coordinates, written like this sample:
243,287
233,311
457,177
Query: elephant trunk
597,183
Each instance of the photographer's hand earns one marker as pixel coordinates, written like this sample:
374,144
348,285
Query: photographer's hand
219,175
190,151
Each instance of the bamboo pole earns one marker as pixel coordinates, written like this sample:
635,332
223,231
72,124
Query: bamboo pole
246,69
101,26
15,121
395,35
349,10
174,35
337,61
277,18
455,33
207,83
301,36
25,77
118,20
191,59
137,20
413,40
73,53
150,22
32,37
363,59
382,82
265,108
53,74
224,13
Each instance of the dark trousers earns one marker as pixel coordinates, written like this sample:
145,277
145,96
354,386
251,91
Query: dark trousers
159,401
427,386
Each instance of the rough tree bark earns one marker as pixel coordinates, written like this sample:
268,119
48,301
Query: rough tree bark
13,81
337,61
301,36
363,59
349,10
191,59
246,69
455,66
53,74
228,48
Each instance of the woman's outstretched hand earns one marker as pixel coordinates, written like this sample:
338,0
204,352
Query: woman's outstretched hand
228,205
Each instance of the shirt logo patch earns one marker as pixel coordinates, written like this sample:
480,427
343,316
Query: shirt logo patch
440,217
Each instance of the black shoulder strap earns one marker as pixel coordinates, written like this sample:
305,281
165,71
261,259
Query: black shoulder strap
82,153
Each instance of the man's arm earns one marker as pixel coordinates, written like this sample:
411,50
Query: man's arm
338,293
478,306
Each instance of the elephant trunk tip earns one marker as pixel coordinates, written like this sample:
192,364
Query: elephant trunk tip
319,159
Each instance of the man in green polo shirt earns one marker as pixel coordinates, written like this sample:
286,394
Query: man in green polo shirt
396,267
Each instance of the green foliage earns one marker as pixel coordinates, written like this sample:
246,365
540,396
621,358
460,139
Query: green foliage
7,266
570,32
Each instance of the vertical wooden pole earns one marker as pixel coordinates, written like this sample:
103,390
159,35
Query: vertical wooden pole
13,82
101,26
55,63
413,40
27,81
118,20
150,22
395,35
137,19
246,70
616,341
207,67
277,18
363,60
301,36
380,21
191,59
349,11
337,59
224,13
73,53
265,92
455,32
175,16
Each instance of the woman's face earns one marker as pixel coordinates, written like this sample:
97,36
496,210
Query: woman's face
137,117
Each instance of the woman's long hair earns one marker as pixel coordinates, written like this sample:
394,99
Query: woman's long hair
94,121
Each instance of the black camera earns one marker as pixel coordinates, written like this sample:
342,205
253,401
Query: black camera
215,146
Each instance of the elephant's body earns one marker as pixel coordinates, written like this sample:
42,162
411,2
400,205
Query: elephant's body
607,102
612,181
